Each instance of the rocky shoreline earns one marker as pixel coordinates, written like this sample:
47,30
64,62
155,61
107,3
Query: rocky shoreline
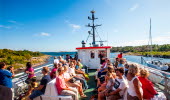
37,61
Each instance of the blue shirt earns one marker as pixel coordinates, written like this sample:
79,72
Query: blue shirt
44,82
120,65
5,78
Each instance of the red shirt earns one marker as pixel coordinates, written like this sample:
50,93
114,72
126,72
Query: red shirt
60,84
148,88
119,56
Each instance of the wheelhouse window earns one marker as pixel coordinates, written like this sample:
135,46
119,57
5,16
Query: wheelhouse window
92,54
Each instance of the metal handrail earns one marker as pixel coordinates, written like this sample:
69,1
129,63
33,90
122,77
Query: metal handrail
22,73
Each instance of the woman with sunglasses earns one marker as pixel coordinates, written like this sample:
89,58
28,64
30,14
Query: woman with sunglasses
62,87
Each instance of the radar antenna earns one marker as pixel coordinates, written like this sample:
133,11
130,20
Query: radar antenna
93,28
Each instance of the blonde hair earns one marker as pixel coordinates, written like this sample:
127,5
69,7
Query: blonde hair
65,68
133,69
144,73
45,69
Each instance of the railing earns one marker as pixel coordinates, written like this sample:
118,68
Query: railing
22,75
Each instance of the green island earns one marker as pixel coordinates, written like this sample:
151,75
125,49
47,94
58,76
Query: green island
18,59
162,51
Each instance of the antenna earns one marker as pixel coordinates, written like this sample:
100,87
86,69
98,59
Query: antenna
150,40
107,39
93,27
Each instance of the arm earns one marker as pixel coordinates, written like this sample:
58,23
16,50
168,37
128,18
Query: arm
68,78
137,88
30,72
39,87
13,74
113,92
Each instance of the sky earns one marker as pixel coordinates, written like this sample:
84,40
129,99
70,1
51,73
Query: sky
59,25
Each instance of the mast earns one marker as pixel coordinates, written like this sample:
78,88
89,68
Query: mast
93,27
150,40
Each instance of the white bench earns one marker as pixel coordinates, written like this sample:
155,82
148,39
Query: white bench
51,93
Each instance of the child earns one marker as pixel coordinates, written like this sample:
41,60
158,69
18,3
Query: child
31,87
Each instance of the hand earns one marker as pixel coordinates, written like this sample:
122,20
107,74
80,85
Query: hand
35,89
107,94
27,72
68,88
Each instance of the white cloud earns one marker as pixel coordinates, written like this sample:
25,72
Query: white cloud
7,27
134,7
156,40
44,34
74,26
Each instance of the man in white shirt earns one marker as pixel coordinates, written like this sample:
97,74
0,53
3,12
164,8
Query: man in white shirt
56,60
119,86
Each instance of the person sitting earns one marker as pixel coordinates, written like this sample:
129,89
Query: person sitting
56,60
109,79
134,91
60,59
121,63
77,77
53,71
68,57
116,62
118,89
147,86
71,82
40,90
103,69
126,69
81,66
33,84
62,87
79,71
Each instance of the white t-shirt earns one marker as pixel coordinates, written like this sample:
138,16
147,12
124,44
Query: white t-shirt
121,84
56,61
66,75
72,71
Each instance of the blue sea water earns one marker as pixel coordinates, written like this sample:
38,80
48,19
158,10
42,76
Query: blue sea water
132,58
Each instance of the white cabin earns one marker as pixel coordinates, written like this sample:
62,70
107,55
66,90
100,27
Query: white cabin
91,56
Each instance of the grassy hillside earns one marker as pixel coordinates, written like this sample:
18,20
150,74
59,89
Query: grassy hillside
157,50
19,58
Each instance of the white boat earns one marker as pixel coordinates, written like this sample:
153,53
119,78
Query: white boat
157,64
154,63
91,56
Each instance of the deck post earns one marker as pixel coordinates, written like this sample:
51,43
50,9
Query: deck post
166,87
